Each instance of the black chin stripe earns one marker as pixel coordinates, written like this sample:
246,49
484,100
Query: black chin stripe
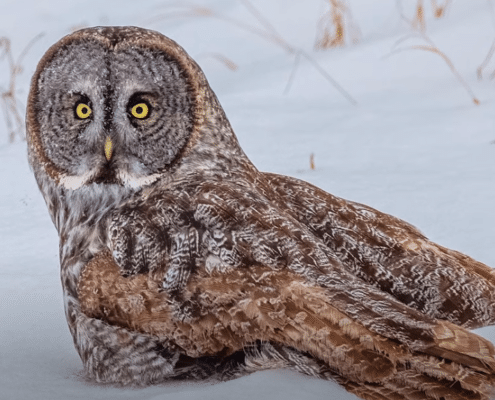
105,175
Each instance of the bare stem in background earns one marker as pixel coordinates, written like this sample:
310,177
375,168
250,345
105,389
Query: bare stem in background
220,57
10,103
297,58
267,32
479,71
191,10
483,65
327,76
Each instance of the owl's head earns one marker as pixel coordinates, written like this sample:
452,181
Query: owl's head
115,105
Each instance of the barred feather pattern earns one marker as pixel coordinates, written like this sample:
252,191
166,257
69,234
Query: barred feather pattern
393,255
262,234
179,259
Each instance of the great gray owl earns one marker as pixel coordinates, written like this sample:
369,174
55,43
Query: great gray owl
180,259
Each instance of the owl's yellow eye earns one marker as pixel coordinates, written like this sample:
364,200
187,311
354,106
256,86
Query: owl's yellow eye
140,110
83,111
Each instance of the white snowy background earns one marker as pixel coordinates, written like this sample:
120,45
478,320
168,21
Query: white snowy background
415,146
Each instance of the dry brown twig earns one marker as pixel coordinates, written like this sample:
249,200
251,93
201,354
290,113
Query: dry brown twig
267,32
10,103
431,47
419,20
331,30
439,11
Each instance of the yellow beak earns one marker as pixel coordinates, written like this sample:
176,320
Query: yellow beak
108,148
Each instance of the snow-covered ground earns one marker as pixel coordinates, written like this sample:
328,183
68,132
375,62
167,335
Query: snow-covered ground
414,146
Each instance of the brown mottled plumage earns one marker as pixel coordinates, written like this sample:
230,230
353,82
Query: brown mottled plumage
179,259
244,305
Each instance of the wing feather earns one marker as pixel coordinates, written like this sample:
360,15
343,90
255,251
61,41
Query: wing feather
391,254
251,304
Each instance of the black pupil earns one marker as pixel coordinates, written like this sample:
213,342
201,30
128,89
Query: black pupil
139,110
85,110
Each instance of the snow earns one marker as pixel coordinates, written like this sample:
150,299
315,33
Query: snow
414,146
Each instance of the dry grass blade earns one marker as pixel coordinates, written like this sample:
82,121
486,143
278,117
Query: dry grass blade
10,103
267,32
192,11
419,20
297,52
329,78
331,27
433,49
335,27
223,59
452,68
312,161
297,58
479,70
439,11
418,16
268,27
491,51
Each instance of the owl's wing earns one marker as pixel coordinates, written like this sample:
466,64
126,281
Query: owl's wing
225,226
312,304
392,254
255,317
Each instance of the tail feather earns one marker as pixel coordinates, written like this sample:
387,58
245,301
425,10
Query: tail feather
458,344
